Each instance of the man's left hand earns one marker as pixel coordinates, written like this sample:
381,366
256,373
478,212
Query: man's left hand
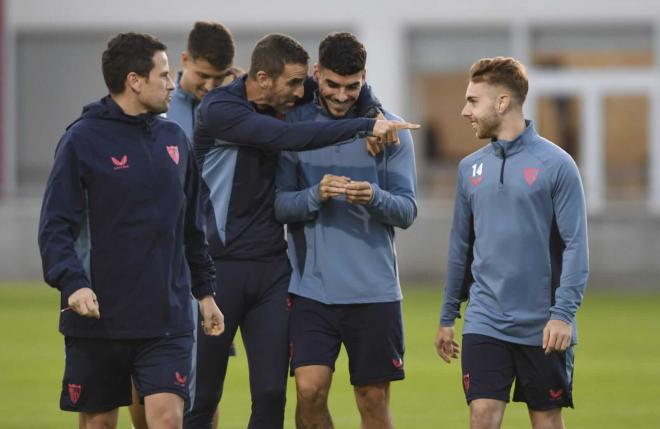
359,192
374,144
557,336
233,73
213,321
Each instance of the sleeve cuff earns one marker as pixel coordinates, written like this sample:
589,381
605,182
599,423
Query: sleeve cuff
70,288
314,199
201,291
376,195
449,314
557,315
447,323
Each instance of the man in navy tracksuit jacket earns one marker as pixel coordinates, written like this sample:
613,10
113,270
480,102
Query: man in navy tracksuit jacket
238,137
518,254
122,237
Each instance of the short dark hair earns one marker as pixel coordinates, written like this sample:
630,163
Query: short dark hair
212,42
342,53
125,53
505,71
273,51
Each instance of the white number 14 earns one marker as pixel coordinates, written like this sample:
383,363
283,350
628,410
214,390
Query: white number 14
476,171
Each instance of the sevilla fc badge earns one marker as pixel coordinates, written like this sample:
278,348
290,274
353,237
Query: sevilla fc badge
173,151
531,174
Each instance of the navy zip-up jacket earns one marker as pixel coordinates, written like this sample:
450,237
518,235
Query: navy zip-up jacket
518,248
238,150
122,215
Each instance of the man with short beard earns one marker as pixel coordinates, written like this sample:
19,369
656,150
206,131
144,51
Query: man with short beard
518,253
238,136
342,206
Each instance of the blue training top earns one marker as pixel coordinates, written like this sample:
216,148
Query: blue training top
182,108
518,240
343,253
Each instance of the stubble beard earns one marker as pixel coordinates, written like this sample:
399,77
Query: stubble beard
489,126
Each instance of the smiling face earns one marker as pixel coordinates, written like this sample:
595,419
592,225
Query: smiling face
338,92
287,88
199,76
155,90
481,109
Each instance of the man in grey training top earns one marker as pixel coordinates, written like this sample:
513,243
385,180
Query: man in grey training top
518,253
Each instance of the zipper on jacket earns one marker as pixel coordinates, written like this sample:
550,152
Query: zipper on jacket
149,143
502,168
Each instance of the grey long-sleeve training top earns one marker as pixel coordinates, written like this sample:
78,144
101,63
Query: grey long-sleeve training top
344,253
518,249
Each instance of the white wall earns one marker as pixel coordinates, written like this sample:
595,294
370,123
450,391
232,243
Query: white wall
381,25
26,13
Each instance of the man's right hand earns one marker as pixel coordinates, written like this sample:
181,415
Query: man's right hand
387,131
83,301
332,186
445,345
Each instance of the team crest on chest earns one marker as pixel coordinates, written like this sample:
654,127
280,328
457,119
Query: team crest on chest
477,173
531,174
173,151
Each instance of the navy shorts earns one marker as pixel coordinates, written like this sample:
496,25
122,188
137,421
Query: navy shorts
98,371
543,382
371,333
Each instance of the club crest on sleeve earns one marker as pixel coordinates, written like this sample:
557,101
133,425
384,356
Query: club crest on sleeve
173,151
531,174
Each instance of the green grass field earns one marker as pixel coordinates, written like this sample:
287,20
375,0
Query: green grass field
617,376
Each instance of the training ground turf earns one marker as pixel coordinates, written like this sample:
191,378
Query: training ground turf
617,376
